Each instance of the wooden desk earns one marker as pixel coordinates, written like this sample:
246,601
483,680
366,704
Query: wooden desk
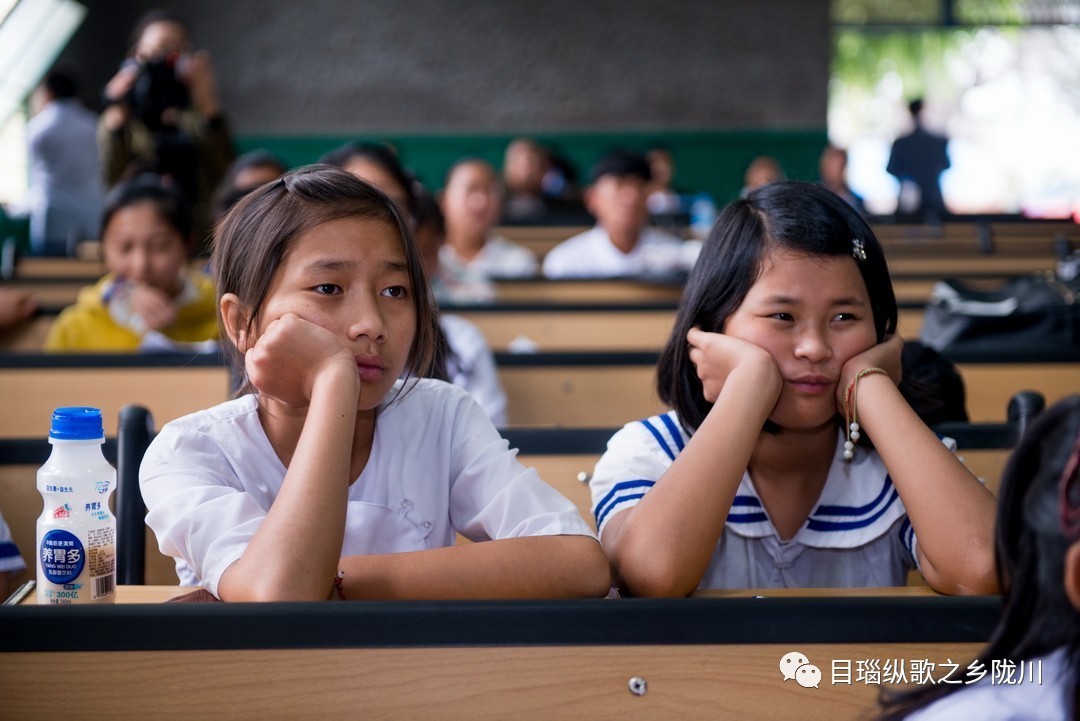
170,384
134,594
700,657
573,327
160,594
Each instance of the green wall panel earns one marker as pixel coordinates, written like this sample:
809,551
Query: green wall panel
709,161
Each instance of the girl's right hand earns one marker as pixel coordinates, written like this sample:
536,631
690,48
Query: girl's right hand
292,354
716,356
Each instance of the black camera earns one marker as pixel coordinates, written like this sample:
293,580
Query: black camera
156,89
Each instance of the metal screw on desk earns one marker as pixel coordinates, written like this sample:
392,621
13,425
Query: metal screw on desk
638,686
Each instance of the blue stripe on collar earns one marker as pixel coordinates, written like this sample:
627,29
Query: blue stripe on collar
674,430
815,524
659,438
617,495
855,510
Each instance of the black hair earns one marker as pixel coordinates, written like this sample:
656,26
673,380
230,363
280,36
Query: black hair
164,195
427,212
429,215
932,385
227,193
622,162
379,154
787,214
62,84
915,107
1031,545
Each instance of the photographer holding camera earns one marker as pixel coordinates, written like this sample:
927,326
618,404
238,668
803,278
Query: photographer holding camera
163,114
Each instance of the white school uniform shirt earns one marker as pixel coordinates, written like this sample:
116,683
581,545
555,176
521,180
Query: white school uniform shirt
592,255
499,258
986,701
10,560
471,366
437,466
858,534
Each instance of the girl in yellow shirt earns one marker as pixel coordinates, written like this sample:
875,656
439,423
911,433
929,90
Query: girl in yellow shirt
150,299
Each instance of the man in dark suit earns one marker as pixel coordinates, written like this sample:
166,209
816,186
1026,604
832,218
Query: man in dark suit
919,158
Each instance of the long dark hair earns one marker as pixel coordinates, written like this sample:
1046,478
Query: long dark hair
1036,616
798,216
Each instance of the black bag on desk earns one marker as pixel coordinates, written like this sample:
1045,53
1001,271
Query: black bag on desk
1026,312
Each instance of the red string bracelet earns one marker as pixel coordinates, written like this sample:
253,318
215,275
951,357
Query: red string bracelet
339,579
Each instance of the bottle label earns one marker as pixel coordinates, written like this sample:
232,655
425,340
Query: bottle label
62,556
102,544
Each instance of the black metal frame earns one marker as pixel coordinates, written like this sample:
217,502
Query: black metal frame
358,624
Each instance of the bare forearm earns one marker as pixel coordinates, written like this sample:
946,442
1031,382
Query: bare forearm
534,567
664,544
294,554
951,511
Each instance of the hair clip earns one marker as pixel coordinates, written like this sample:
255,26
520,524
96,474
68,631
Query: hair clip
858,250
1069,494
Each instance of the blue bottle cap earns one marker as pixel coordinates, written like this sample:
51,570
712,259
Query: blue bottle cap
77,423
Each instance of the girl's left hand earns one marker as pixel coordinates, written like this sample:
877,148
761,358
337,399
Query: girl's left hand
290,355
884,355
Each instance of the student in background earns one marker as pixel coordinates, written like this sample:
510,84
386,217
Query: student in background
463,357
337,477
524,164
621,243
150,299
662,200
11,562
249,171
379,165
1038,562
762,170
541,186
781,368
471,201
163,113
65,192
832,174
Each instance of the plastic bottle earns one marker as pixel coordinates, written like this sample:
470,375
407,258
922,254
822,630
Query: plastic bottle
76,532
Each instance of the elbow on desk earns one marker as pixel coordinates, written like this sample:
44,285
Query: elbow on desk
596,571
267,589
651,579
977,576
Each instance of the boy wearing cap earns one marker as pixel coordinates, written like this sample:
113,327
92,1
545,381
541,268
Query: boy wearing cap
621,244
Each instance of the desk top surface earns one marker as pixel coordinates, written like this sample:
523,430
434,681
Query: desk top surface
160,594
